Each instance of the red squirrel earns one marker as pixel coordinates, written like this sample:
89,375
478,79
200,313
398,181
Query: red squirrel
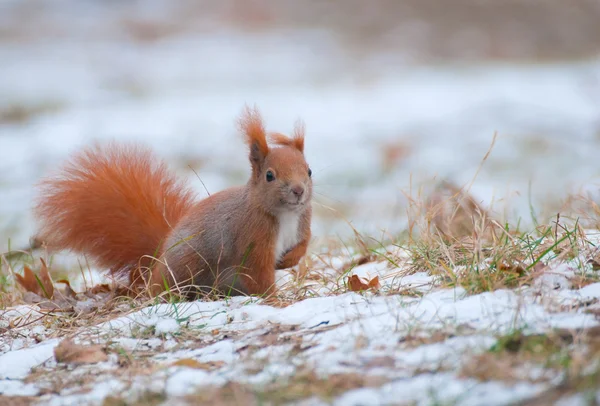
121,207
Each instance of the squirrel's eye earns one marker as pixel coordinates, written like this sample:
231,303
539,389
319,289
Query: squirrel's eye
309,172
270,176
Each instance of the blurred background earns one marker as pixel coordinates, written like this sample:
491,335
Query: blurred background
396,95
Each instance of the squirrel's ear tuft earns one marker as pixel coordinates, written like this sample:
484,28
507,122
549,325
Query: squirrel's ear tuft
299,129
251,125
296,141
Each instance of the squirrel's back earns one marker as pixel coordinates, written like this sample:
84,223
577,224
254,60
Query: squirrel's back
115,203
205,243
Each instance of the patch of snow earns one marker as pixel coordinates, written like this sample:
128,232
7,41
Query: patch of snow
448,353
21,312
426,389
17,364
372,269
166,326
333,334
96,396
272,372
221,351
578,400
17,388
574,297
136,344
590,291
185,381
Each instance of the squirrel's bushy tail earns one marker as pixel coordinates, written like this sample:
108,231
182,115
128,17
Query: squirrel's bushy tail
115,203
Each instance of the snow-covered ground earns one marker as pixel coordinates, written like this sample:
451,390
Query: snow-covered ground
376,124
404,348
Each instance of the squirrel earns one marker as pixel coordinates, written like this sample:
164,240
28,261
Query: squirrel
122,208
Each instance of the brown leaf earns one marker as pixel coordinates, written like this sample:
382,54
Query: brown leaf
192,363
68,289
104,288
70,353
29,281
517,268
357,284
41,286
374,283
46,280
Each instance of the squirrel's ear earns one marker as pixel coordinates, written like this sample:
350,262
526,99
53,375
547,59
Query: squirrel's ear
296,141
298,138
252,126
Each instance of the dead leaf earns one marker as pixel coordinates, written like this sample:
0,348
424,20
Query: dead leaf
357,284
104,288
192,363
46,280
70,353
68,289
41,286
517,268
29,281
374,283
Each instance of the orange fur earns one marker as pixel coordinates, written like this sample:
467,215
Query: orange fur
122,207
252,126
293,257
114,203
296,141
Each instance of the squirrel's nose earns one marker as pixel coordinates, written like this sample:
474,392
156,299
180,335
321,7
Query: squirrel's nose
298,190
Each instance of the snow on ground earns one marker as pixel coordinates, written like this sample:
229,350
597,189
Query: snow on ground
413,346
181,95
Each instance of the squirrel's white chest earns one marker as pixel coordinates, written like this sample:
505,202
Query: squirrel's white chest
287,236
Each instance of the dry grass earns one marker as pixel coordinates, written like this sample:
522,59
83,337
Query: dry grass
450,236
301,385
514,356
147,399
569,356
17,400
